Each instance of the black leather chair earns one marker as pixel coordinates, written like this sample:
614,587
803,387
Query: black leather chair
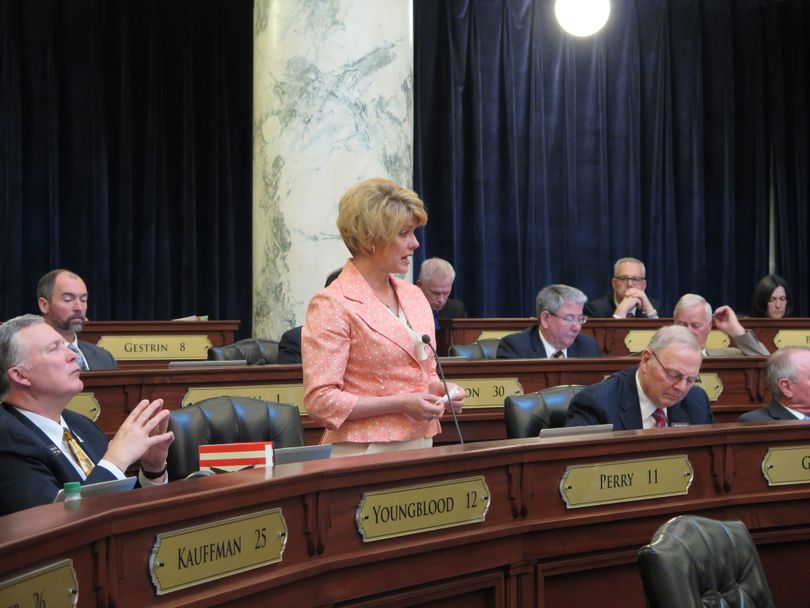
229,420
696,562
256,351
525,415
482,349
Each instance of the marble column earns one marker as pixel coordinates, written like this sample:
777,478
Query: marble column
333,105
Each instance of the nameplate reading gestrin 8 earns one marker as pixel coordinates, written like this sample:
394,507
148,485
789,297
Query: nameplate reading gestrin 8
487,392
160,347
590,485
191,556
415,509
281,393
52,586
787,466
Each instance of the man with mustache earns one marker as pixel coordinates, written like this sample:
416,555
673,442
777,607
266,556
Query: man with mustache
659,392
62,298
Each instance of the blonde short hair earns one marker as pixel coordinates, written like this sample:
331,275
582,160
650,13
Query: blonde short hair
372,212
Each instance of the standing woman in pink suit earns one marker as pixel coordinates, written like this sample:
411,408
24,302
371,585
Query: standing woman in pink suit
368,377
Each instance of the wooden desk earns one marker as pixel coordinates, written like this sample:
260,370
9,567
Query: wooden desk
217,332
608,333
530,550
119,391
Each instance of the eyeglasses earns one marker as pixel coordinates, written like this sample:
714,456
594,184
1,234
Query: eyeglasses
626,279
675,377
570,319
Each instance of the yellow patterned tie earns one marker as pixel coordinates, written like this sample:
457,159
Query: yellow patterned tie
78,453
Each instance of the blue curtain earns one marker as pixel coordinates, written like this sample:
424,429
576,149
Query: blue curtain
543,158
125,154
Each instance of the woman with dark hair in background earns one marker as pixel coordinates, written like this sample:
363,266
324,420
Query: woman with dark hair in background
771,298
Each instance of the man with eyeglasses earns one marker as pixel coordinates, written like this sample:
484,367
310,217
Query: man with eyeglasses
695,314
788,379
627,298
557,332
659,392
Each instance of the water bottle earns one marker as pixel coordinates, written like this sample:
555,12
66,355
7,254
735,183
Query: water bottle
73,495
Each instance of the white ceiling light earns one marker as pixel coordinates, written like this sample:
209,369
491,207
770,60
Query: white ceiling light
582,17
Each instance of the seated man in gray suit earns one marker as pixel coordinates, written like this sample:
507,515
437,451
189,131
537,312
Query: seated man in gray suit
660,391
557,333
62,298
695,314
788,378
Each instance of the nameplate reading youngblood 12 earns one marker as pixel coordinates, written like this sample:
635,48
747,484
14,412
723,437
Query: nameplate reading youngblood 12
487,392
590,485
163,347
415,509
281,393
85,404
787,466
52,586
191,556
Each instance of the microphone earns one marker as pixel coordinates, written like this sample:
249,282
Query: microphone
426,340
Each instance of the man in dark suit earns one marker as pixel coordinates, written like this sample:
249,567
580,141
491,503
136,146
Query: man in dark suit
42,445
627,298
289,346
788,378
557,333
62,298
436,277
659,392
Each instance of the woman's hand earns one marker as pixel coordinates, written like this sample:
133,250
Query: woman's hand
456,395
421,406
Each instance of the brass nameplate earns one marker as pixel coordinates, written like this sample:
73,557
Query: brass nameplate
191,556
282,393
792,337
85,404
432,506
712,384
488,392
717,339
637,340
787,466
163,347
590,485
54,586
492,334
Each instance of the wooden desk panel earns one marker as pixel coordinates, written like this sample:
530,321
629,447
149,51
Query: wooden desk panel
119,391
608,333
529,551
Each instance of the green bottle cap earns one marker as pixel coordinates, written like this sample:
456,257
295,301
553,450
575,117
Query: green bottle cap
73,487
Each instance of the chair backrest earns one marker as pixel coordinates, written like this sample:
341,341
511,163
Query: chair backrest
525,415
229,420
489,346
471,352
695,561
256,351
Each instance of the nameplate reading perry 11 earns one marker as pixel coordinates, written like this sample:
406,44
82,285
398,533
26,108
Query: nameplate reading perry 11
161,347
591,485
787,466
191,556
54,586
415,509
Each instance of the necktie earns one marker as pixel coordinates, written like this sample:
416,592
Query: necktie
78,453
79,356
558,355
660,418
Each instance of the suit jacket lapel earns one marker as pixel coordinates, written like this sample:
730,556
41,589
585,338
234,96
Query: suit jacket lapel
373,312
630,405
56,450
675,413
538,350
779,412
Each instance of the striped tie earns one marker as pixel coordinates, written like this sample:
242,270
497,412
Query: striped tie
660,418
558,355
79,356
78,453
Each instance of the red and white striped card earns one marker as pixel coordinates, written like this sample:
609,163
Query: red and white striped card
236,456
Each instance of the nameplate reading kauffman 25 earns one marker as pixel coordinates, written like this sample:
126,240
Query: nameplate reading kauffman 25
414,509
